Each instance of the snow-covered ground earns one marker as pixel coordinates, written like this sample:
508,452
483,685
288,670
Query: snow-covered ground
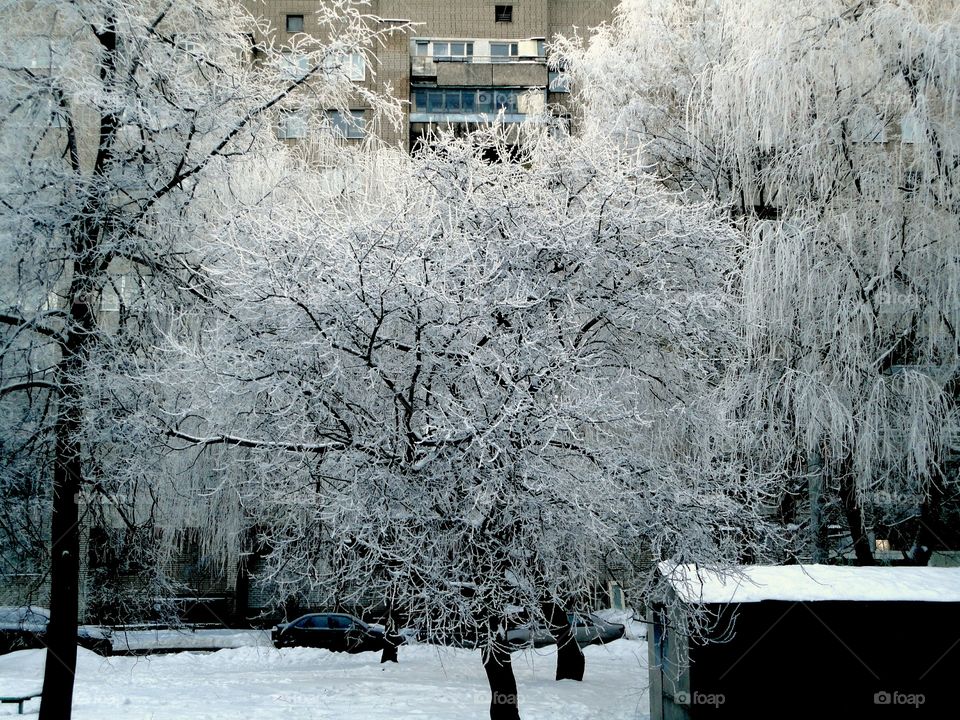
262,683
166,639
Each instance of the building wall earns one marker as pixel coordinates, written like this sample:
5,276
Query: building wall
470,18
565,15
389,66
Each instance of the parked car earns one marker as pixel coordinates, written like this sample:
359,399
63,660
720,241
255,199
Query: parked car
588,629
26,627
333,631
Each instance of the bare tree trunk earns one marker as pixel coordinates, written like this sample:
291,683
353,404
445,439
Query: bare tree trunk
503,683
390,638
930,528
854,515
61,637
241,592
61,663
570,660
819,537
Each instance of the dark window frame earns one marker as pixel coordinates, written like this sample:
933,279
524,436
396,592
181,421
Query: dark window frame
503,13
295,19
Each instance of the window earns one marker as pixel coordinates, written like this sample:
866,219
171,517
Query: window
453,102
352,125
500,51
911,131
559,81
294,23
452,49
912,180
353,65
503,13
468,100
867,126
506,101
356,66
114,293
616,595
30,52
295,66
292,125
423,48
51,114
188,43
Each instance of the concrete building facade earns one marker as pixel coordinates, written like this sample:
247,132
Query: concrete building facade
459,64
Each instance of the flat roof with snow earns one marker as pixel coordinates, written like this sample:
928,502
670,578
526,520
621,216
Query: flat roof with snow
812,583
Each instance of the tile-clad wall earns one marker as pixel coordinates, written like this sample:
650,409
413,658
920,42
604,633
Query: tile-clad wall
565,15
276,11
391,69
469,18
582,14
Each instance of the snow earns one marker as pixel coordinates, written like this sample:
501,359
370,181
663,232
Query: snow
167,639
263,683
756,583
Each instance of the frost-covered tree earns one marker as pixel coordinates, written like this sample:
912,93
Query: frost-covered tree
832,132
459,389
122,122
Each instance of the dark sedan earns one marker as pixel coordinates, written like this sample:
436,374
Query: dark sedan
333,631
587,628
26,627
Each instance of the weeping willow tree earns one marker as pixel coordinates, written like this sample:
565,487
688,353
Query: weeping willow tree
831,130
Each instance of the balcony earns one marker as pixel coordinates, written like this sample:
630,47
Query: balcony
476,71
479,62
448,105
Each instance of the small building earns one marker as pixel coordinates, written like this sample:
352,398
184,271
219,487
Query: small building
806,641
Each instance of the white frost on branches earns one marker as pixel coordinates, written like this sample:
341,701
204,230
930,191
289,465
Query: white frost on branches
832,132
487,378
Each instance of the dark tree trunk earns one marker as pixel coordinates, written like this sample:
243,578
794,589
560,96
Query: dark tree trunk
389,653
390,638
570,660
61,637
819,536
930,530
241,592
854,515
503,684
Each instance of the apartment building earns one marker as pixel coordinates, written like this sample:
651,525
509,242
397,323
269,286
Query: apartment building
460,64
